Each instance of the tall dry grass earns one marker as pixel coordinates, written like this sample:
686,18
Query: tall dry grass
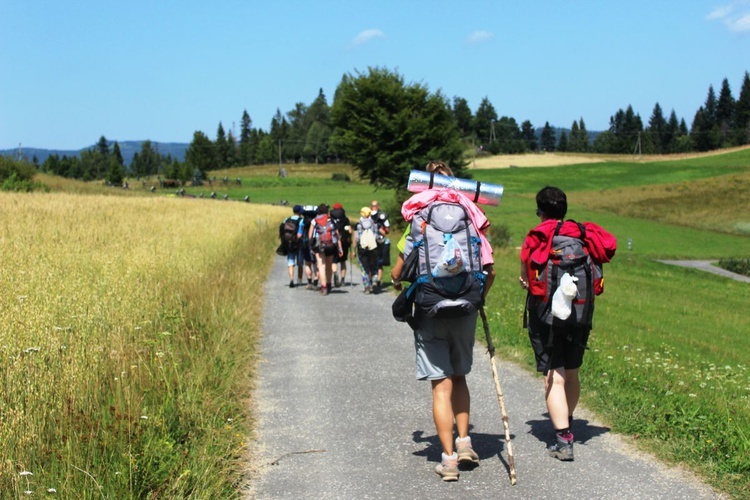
126,330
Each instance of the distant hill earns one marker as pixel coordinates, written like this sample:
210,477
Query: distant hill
127,148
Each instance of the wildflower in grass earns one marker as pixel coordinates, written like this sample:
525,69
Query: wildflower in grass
25,473
144,417
693,395
51,490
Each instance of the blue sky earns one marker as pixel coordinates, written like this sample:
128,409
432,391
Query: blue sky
72,71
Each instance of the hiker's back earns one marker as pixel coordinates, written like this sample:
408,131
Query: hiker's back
444,248
568,255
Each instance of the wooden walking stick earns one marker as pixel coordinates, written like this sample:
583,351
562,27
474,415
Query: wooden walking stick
500,398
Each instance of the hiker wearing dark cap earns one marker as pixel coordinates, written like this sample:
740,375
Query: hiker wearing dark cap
344,226
561,267
290,232
326,242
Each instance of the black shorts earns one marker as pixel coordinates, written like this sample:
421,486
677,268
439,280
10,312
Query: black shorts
328,251
568,344
343,257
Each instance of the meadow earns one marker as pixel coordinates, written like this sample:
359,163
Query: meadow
116,319
116,313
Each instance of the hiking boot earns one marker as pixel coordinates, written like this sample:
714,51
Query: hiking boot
448,467
336,281
291,284
323,289
465,452
562,449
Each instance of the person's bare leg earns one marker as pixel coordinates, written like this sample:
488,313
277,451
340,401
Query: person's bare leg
442,412
461,401
557,403
572,389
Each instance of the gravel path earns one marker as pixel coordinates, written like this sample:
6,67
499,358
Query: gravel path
708,266
341,415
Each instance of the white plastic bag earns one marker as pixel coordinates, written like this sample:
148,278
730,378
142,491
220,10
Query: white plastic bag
562,299
451,260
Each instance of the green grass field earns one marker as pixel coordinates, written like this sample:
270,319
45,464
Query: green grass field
670,353
111,295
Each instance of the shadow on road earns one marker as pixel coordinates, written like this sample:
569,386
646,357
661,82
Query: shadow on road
582,430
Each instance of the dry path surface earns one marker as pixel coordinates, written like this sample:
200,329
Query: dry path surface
340,415
708,266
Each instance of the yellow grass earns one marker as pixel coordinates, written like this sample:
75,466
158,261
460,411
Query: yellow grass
91,294
560,159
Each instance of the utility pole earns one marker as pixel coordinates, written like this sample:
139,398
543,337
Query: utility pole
20,153
638,146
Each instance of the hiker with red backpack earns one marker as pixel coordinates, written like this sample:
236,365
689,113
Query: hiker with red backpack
446,257
326,241
561,267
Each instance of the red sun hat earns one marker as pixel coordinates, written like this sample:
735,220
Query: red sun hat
337,205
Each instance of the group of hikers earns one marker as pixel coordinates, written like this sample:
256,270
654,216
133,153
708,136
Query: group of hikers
444,271
318,242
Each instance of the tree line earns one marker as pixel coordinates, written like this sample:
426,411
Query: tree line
377,121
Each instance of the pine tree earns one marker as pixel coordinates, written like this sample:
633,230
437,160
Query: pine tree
222,148
548,138
463,116
742,113
657,130
484,120
246,148
584,135
201,154
574,141
528,135
725,113
562,145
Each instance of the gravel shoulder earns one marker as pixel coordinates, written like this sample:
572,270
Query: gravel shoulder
341,415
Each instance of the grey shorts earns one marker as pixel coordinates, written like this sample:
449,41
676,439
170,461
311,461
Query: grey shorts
444,346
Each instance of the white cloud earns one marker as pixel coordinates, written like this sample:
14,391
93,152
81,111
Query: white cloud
479,37
740,24
367,35
720,12
734,15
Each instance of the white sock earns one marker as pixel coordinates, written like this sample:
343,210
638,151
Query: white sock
450,457
467,439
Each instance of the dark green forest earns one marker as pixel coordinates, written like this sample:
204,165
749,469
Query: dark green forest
377,120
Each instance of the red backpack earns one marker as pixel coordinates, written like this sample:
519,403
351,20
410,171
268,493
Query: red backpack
324,232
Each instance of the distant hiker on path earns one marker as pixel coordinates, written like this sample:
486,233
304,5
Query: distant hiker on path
561,267
290,233
344,226
327,241
366,243
383,228
453,276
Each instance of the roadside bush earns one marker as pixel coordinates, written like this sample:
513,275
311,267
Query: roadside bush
739,266
340,176
17,175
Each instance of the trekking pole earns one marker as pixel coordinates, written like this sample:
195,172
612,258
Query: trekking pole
500,398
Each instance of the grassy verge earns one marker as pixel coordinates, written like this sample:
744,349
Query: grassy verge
127,332
669,354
